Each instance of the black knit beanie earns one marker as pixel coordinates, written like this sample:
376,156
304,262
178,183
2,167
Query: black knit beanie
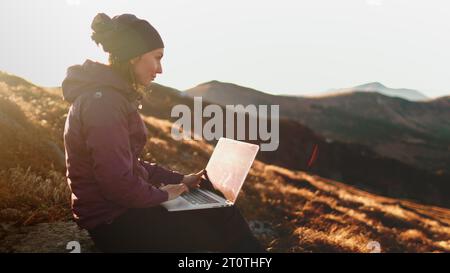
125,36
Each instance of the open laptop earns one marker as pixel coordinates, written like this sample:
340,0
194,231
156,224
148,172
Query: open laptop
226,171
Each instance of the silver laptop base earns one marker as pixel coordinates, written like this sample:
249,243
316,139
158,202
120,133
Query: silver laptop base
180,203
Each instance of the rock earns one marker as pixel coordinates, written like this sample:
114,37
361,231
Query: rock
262,230
56,237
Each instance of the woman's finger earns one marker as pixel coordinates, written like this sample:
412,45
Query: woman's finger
180,189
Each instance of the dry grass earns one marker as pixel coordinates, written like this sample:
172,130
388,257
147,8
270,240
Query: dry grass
32,183
321,220
27,198
31,124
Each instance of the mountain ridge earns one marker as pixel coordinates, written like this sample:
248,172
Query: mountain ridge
367,118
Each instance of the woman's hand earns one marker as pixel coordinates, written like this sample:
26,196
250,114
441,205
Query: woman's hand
193,180
175,190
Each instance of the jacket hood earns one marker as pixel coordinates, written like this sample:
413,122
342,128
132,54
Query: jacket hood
90,76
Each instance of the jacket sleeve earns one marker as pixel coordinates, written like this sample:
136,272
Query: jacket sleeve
106,132
158,174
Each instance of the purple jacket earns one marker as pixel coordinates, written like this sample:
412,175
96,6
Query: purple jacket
104,135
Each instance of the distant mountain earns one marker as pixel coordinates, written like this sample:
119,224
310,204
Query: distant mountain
408,94
416,133
443,101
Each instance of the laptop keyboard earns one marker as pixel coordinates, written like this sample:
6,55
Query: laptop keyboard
196,197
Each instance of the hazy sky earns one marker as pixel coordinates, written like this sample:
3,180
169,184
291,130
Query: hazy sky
281,47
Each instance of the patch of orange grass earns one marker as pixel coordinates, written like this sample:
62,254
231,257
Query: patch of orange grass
26,197
336,240
338,217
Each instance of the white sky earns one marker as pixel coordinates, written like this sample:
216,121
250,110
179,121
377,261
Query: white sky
279,46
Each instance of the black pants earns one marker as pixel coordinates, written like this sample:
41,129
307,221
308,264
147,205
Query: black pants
157,230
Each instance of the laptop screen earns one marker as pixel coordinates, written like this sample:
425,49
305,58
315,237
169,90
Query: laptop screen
229,165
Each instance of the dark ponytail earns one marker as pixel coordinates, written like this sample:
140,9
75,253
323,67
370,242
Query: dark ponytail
106,33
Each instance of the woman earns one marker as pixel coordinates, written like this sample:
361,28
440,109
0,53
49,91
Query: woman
115,195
